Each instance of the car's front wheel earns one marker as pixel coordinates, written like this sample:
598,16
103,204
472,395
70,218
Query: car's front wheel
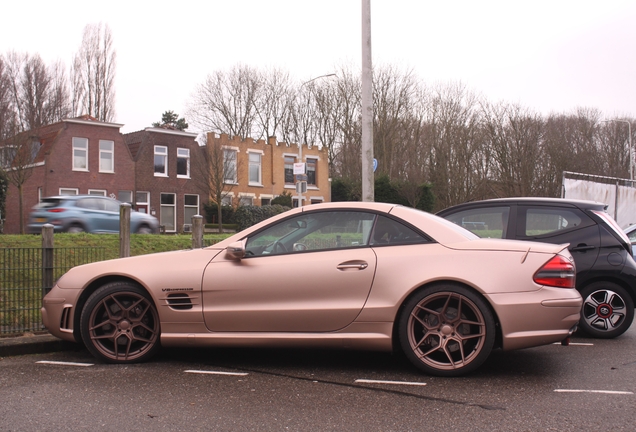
608,310
120,324
447,330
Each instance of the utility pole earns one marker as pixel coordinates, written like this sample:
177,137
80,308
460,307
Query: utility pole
367,105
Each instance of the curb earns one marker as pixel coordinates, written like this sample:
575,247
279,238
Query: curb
34,344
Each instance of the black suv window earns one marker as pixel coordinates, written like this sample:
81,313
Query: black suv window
488,222
542,221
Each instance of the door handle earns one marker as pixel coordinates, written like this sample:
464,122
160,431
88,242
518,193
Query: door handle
582,248
355,266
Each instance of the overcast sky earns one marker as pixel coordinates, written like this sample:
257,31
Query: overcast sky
547,55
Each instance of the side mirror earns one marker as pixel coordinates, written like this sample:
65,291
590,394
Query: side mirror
235,250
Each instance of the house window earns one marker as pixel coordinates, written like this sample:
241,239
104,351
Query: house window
246,200
266,201
98,192
183,163
168,213
80,154
161,161
125,196
35,149
106,156
289,169
226,200
69,191
142,201
255,169
190,208
7,154
229,166
311,171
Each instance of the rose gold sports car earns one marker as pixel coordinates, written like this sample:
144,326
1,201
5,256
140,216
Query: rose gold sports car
370,276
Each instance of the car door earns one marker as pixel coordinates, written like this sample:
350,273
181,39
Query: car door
561,224
311,273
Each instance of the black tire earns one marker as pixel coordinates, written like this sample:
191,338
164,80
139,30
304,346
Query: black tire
144,229
120,324
446,330
607,311
75,229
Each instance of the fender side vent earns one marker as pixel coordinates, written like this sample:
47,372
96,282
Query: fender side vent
65,319
179,301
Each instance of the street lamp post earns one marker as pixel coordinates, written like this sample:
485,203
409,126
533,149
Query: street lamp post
301,180
631,151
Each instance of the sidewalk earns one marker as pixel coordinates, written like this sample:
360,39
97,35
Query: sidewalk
32,344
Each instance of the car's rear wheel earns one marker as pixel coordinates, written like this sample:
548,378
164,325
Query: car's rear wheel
447,330
608,310
144,229
75,228
120,324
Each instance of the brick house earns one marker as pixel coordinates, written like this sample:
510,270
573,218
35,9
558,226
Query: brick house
74,156
165,184
265,169
154,170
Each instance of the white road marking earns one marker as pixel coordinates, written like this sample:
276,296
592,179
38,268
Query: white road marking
216,373
64,363
575,344
367,381
594,391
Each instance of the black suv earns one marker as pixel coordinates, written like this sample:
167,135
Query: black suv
605,268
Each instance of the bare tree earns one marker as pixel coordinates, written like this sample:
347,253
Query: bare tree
515,137
457,161
394,99
18,157
272,103
217,173
7,112
38,93
93,74
225,103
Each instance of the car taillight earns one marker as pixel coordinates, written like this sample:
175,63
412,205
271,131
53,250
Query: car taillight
558,272
56,210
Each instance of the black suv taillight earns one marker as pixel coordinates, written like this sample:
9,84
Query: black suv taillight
558,272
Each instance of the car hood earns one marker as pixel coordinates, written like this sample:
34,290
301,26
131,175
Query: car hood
165,269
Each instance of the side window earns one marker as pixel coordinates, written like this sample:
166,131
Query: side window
387,231
541,221
313,231
489,222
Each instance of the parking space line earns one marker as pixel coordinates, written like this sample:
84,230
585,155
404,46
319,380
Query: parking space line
367,381
64,363
594,391
216,373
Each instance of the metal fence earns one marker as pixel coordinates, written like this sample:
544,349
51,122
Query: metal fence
25,276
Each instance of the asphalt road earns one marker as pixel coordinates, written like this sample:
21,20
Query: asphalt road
589,385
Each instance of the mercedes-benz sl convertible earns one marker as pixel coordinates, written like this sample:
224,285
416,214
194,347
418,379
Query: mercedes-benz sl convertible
368,276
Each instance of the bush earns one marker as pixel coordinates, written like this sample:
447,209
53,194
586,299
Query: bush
246,216
211,211
284,199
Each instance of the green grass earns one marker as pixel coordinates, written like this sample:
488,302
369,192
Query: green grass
21,273
139,244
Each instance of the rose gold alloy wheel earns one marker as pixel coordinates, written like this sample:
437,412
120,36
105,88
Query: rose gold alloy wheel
119,324
447,330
